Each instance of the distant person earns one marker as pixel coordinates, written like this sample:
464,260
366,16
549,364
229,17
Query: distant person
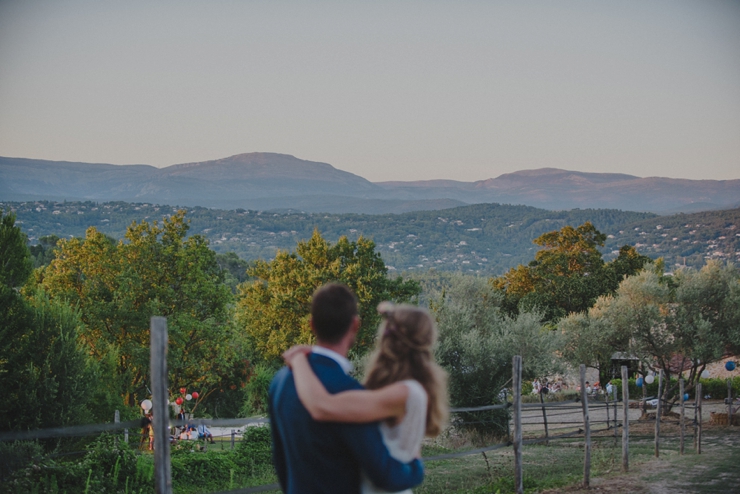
205,433
328,457
406,388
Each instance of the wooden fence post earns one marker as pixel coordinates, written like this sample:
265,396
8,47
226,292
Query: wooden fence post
699,398
116,419
616,405
544,418
517,389
658,411
158,356
683,414
729,402
625,420
233,433
587,428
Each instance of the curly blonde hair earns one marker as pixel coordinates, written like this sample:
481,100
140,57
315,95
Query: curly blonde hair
404,350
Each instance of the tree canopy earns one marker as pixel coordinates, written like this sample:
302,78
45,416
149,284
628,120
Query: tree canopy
567,274
274,308
44,374
675,324
155,271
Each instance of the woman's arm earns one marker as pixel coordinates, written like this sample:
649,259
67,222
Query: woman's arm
356,406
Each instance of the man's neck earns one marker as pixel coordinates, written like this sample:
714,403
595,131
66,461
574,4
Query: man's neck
341,348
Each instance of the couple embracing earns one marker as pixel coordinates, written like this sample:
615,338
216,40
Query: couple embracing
332,435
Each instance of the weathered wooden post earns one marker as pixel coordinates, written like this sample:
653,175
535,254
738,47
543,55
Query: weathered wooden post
116,419
587,429
517,389
233,433
729,402
158,365
699,398
544,418
683,414
658,411
616,405
625,420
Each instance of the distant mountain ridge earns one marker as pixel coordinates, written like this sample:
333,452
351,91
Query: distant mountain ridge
267,181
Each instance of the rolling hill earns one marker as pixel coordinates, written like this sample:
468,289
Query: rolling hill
271,181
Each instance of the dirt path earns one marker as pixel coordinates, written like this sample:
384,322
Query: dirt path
716,470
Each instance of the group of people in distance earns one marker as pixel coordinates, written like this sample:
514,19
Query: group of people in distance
331,434
188,431
547,387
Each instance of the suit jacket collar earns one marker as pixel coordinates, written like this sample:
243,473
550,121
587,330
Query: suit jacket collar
345,364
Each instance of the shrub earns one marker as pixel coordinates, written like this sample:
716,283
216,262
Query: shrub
203,469
716,389
256,447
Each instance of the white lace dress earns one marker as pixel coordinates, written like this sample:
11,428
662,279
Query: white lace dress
404,439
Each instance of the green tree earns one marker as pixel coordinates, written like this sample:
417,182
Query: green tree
43,371
477,342
274,309
155,271
567,275
15,259
673,324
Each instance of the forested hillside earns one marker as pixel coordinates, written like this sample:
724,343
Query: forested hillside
483,238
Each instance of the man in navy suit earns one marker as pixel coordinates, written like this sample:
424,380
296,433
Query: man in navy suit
327,457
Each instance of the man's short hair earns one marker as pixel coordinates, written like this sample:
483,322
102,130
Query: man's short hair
333,308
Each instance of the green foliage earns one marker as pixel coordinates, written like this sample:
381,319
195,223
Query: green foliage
685,321
43,370
234,269
157,271
15,262
274,309
106,467
199,469
15,456
717,388
256,389
255,449
482,238
476,345
43,252
567,275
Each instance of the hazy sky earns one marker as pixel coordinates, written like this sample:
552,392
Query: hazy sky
389,90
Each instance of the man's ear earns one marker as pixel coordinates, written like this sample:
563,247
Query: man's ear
355,328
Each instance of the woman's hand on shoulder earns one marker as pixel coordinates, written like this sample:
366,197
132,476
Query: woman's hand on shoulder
291,353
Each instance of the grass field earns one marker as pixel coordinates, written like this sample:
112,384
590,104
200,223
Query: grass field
559,467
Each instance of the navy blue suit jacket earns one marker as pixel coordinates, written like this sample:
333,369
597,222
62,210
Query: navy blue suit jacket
327,457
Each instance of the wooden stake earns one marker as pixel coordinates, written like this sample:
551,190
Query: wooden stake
517,389
158,364
699,399
544,418
625,420
587,429
683,414
729,402
657,414
116,419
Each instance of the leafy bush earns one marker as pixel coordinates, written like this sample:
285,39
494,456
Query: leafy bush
716,389
16,455
255,449
476,346
106,467
202,469
256,391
